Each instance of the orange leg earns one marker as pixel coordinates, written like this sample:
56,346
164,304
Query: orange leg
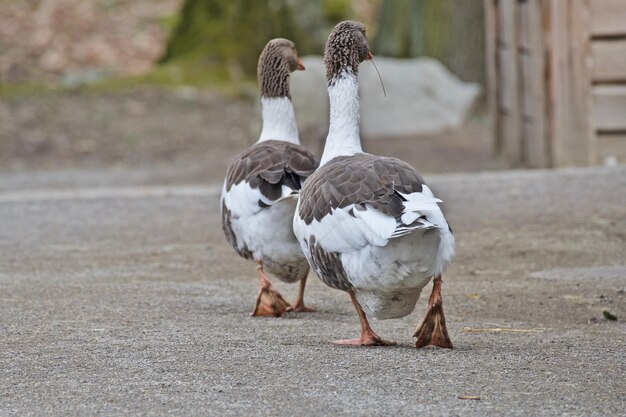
432,329
368,337
269,302
299,306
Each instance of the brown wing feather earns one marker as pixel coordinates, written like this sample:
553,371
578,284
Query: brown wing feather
270,164
359,179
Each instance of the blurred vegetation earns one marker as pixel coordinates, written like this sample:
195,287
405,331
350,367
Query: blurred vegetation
451,31
217,42
227,36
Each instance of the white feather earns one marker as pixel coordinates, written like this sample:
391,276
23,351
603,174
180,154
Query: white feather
377,226
343,133
342,232
243,200
420,201
279,121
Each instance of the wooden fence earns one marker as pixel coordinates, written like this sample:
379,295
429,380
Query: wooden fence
556,73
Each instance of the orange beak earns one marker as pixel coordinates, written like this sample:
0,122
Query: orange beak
299,65
369,56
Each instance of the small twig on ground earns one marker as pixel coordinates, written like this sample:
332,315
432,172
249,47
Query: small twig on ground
500,330
469,397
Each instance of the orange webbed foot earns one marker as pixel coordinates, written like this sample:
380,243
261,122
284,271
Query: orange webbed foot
299,307
432,329
270,303
366,339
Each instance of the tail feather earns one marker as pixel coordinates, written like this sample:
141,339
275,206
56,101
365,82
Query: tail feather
421,223
414,217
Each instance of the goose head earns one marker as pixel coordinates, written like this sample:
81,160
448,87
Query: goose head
277,61
346,48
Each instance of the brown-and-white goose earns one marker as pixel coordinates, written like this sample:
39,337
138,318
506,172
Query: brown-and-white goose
369,225
262,183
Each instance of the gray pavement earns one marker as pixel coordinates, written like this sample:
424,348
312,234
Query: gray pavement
122,298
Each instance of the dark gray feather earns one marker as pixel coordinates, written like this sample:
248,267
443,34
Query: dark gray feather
360,179
271,164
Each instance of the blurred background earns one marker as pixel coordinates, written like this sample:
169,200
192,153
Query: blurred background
170,85
120,296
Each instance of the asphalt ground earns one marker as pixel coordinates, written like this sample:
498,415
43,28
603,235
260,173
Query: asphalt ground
119,296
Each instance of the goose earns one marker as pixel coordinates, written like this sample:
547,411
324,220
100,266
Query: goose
370,225
259,194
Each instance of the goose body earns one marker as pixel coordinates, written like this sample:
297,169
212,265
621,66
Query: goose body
259,198
262,184
370,225
381,223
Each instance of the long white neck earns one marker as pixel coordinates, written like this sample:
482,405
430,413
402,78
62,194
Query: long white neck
279,121
343,132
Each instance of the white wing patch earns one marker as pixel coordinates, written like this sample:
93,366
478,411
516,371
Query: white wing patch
343,232
350,228
243,200
378,227
288,192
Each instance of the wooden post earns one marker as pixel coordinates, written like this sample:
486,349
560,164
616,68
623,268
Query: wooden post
532,52
509,82
491,66
570,86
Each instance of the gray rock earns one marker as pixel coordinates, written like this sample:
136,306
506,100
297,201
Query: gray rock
310,97
422,97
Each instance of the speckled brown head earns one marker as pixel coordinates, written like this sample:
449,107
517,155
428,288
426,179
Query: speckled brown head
277,61
346,48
